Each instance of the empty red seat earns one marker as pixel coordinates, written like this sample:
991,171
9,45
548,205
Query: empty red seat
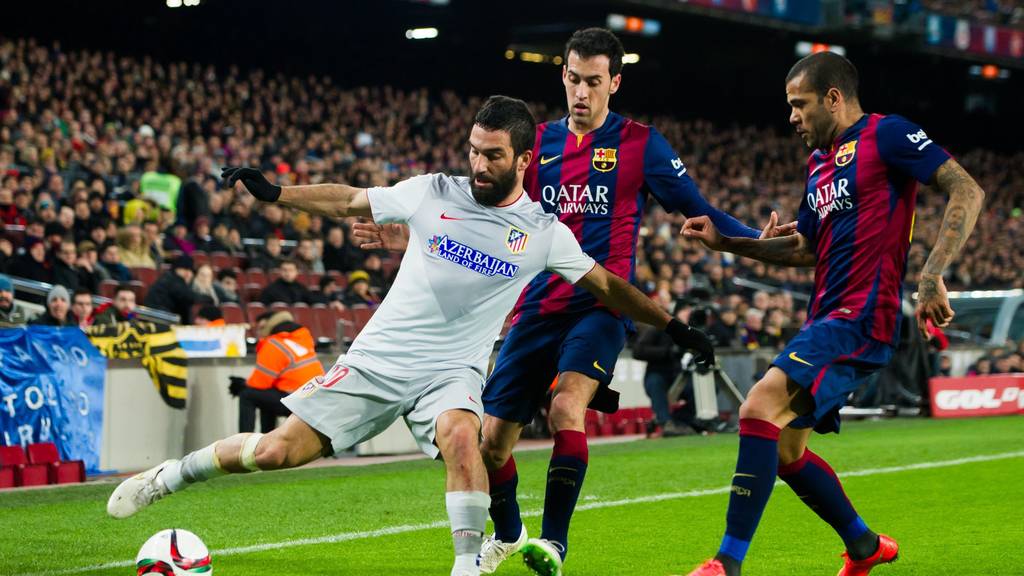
221,260
107,288
25,473
253,310
279,306
145,275
7,477
140,290
256,276
360,316
232,313
199,257
60,471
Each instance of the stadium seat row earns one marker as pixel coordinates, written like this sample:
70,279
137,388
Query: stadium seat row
40,466
328,326
624,422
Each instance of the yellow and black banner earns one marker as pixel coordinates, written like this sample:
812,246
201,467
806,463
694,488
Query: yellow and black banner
158,348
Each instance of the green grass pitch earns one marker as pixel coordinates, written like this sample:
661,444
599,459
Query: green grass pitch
642,511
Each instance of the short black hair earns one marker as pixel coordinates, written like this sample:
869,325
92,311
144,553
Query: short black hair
590,42
124,288
226,273
210,312
82,292
826,70
509,115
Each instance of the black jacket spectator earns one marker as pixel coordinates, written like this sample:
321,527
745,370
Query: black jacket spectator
171,291
288,292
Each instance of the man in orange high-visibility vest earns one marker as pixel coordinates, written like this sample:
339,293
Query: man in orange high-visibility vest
285,360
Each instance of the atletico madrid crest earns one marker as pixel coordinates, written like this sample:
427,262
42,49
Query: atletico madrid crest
516,240
846,153
604,159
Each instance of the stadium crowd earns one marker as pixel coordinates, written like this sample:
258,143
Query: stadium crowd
110,167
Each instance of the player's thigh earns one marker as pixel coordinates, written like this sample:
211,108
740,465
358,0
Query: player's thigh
592,347
451,390
526,365
347,405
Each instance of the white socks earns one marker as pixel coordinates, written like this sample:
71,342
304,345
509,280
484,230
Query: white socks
203,465
467,513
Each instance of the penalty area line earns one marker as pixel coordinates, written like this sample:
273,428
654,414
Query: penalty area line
405,528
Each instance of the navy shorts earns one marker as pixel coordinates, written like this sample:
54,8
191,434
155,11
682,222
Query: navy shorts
538,349
830,359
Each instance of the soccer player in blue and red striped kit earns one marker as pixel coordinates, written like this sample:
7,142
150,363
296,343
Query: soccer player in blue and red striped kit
854,227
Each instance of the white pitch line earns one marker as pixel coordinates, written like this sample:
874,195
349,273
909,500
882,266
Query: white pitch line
367,534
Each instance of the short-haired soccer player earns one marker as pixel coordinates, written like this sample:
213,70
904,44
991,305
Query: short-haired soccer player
854,228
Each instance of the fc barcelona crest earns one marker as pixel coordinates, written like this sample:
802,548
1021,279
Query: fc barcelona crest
604,159
516,240
846,153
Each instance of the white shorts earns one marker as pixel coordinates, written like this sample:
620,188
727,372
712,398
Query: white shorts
351,405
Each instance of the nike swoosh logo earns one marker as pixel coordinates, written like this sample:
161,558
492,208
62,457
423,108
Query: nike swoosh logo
598,366
447,217
795,358
544,160
741,475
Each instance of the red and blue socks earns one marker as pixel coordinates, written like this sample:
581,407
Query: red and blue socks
565,480
817,485
504,509
756,468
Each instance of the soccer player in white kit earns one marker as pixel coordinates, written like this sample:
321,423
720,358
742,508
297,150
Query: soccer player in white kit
474,245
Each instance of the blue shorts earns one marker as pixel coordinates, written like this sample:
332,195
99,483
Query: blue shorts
538,349
830,359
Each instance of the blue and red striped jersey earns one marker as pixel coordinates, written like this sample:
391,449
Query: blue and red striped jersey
858,214
598,184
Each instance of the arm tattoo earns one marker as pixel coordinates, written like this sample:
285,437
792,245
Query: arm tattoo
965,199
792,250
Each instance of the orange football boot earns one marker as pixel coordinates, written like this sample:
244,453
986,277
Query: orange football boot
710,568
888,551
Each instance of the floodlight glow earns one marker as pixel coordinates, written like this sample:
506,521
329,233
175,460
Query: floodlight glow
421,33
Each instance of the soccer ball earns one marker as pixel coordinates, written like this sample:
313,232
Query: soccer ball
174,552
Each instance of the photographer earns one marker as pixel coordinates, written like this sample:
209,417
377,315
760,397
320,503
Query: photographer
663,367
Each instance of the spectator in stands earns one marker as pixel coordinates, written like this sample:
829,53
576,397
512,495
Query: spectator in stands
331,294
122,309
134,248
983,367
9,213
285,360
98,235
110,259
752,327
358,294
177,239
6,252
151,230
286,289
81,308
204,285
172,291
724,331
11,313
339,253
210,316
204,240
307,258
65,272
227,286
90,271
33,264
270,257
57,306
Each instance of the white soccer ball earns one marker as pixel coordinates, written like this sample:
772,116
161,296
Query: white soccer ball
174,552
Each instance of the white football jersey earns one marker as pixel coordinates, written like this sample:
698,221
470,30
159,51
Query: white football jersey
462,273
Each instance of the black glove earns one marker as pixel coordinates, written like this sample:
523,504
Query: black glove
255,182
689,338
236,386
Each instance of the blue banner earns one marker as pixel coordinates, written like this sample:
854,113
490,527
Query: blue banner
51,390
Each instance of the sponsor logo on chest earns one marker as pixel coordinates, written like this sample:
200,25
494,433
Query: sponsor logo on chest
471,258
829,197
575,199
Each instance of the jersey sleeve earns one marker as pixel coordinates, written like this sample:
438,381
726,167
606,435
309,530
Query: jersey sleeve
904,146
565,257
399,202
665,176
807,221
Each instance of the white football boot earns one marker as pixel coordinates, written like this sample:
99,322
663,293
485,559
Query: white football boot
494,551
137,492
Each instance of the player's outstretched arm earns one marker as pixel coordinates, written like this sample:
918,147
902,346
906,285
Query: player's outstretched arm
331,200
791,250
617,294
965,200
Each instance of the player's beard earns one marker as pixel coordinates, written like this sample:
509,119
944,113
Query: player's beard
500,188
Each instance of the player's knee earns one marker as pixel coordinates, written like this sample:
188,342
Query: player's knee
789,453
568,410
495,455
767,400
458,431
